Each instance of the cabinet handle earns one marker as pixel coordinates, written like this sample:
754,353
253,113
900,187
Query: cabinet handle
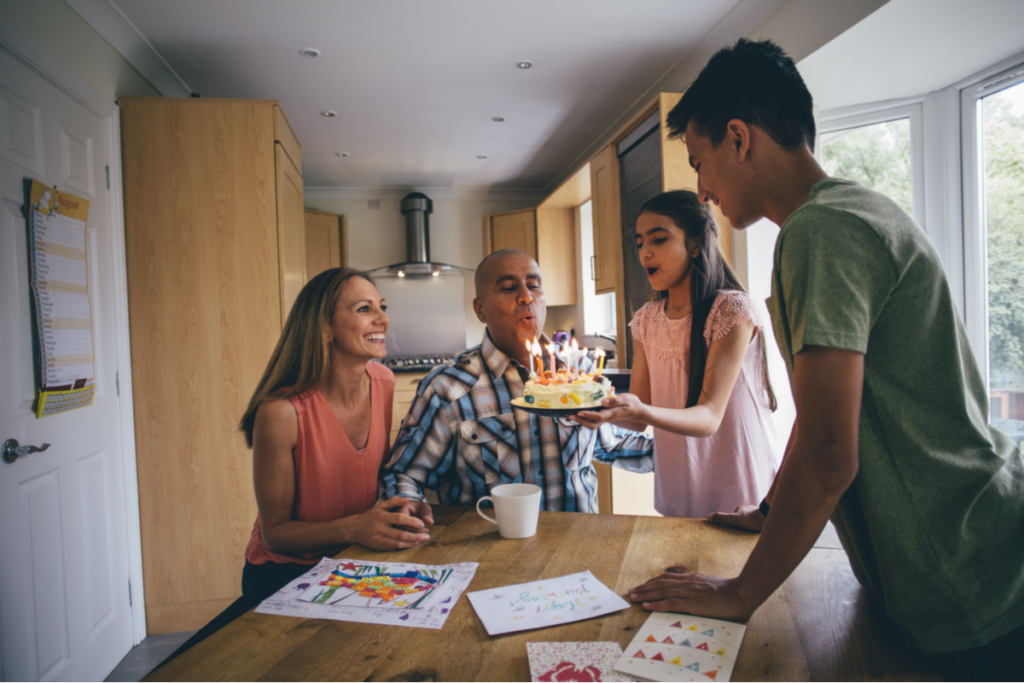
592,276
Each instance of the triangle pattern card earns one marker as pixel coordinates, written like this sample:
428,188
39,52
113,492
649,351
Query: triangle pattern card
543,603
678,647
575,662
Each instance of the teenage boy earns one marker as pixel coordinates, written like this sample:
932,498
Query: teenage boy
891,438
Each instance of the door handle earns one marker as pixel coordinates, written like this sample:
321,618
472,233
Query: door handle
592,275
12,451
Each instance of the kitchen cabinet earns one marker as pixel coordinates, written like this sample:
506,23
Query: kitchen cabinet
326,242
607,220
548,233
405,393
215,253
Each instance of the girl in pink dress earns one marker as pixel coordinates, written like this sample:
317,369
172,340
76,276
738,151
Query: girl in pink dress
699,374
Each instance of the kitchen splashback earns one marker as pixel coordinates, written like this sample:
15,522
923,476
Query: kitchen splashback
428,314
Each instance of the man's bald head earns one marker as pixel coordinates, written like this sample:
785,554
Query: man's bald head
487,272
510,300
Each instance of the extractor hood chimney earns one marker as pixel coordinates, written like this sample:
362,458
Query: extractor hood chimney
417,207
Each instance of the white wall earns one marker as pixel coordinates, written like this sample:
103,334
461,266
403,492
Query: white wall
58,29
376,237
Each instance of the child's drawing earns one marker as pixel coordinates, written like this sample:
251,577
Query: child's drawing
367,585
396,594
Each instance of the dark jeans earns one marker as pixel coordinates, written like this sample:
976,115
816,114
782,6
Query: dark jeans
1000,660
260,581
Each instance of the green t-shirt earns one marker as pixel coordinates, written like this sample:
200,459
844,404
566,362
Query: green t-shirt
934,521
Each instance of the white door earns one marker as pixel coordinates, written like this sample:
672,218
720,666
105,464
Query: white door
64,560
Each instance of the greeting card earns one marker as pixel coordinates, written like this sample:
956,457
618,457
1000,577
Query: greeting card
548,602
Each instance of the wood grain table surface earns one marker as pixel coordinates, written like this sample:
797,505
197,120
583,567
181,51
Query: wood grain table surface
820,625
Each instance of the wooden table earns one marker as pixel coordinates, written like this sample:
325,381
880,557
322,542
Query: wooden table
818,626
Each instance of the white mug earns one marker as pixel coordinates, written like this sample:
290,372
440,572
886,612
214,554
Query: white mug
516,507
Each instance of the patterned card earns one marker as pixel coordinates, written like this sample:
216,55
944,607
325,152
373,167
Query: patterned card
543,603
575,662
680,647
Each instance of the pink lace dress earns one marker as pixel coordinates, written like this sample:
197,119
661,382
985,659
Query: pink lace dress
734,466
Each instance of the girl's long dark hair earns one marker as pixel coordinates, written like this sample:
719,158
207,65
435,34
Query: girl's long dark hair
709,273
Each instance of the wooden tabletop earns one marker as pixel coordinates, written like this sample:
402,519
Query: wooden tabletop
819,625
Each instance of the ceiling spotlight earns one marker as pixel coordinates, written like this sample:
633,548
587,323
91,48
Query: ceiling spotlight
524,65
309,52
342,154
497,119
481,156
329,114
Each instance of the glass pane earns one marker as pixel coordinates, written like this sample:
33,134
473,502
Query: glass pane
876,156
1004,225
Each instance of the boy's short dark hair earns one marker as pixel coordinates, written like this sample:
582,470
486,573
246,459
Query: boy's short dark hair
755,82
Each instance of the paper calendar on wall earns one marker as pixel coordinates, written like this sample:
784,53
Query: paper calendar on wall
60,295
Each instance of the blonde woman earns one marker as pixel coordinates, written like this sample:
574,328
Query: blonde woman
318,424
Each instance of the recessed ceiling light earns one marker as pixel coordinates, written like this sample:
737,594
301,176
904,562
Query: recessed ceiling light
497,119
309,52
524,65
329,114
481,156
342,154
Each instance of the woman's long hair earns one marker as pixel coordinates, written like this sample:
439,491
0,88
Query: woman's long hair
301,360
709,273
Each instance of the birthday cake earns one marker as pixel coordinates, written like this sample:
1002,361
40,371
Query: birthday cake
566,390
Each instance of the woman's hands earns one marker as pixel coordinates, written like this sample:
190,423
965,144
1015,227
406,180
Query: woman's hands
626,410
392,524
709,596
745,518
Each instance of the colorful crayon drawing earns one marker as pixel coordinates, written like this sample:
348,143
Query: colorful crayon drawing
396,594
392,590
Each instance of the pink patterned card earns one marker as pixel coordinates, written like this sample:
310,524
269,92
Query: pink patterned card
575,662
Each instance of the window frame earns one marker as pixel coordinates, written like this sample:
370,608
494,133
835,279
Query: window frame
872,113
974,230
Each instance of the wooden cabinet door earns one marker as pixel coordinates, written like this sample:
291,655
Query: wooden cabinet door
604,187
291,230
517,230
203,292
325,242
556,255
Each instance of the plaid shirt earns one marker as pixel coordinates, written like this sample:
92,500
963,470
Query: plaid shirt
462,437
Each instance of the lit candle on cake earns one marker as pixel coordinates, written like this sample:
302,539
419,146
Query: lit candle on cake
540,362
583,357
599,354
573,353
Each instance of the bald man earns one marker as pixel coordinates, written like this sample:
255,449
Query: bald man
462,437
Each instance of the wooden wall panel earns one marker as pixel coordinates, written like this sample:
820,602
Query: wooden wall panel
291,231
204,302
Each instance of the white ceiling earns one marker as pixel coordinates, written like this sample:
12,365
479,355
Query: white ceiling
909,48
415,83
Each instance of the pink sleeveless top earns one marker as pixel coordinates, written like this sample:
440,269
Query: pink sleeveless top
332,478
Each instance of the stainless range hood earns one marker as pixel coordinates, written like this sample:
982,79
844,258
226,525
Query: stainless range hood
417,207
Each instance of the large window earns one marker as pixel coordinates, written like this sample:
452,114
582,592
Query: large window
879,147
876,156
993,125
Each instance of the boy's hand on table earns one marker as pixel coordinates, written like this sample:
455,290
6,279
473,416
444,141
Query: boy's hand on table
745,518
708,596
